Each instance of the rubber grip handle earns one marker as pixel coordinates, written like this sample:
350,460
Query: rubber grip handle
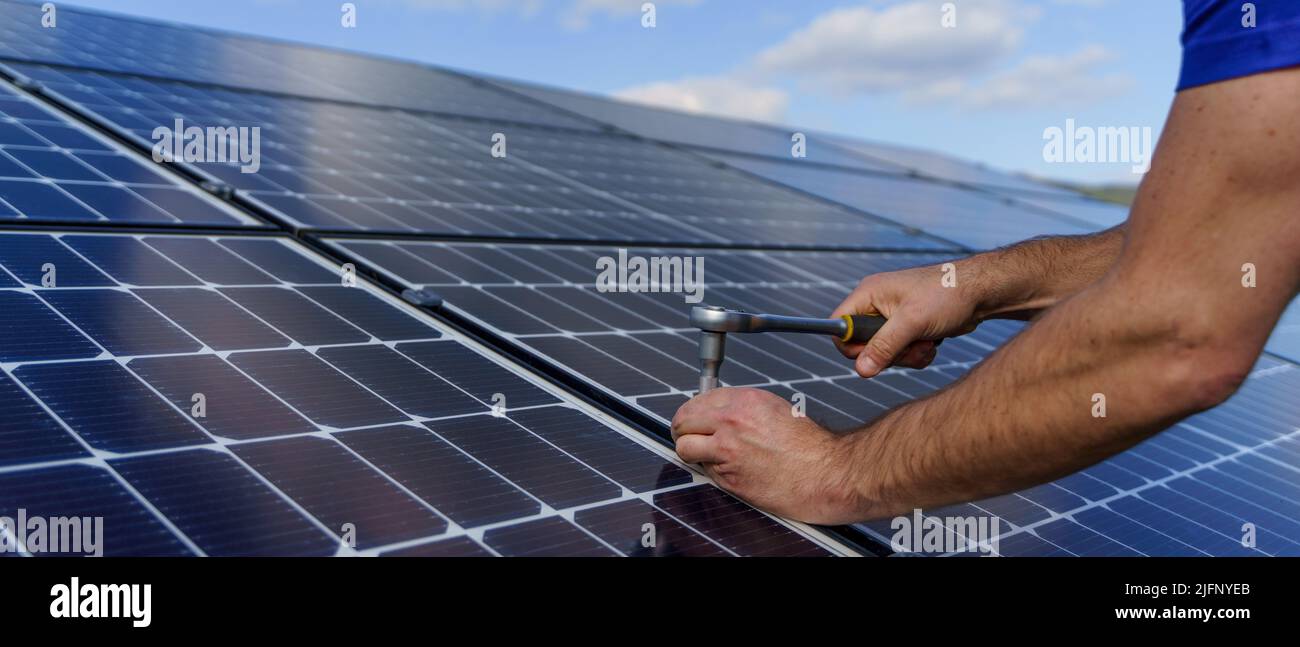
861,328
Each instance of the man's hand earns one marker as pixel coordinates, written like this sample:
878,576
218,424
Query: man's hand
752,445
926,305
921,312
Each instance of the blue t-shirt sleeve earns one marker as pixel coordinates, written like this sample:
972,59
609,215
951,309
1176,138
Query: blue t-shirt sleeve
1218,44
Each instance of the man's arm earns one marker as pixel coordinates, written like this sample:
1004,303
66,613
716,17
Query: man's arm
1170,330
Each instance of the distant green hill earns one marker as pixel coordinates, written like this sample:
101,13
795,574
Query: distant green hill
1117,193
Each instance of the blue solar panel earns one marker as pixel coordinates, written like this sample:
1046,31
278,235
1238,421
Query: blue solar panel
235,412
51,170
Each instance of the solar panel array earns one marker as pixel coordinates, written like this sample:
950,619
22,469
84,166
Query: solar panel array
337,167
228,396
327,405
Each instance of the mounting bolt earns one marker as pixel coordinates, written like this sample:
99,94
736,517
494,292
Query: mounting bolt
219,189
29,84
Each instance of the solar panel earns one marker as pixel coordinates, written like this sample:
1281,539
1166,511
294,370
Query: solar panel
266,408
88,39
974,219
52,170
1187,490
1094,213
332,167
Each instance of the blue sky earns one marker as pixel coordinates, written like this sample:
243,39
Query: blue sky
883,70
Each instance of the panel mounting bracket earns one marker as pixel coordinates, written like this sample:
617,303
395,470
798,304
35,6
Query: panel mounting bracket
422,298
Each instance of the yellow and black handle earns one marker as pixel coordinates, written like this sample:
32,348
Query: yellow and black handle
859,329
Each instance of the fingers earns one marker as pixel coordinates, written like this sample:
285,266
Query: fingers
888,344
690,417
697,448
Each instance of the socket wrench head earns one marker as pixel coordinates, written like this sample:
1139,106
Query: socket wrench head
713,346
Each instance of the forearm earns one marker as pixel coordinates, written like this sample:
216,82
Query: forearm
1022,280
1026,415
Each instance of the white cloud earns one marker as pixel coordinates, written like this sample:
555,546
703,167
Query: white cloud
863,49
1035,82
715,95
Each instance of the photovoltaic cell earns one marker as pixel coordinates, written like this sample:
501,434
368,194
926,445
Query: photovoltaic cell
269,256
552,537
119,322
221,506
129,261
623,526
307,323
343,492
233,405
371,315
407,385
29,434
458,547
107,407
212,319
317,390
465,490
482,380
29,330
736,526
84,491
31,258
209,261
535,466
622,460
